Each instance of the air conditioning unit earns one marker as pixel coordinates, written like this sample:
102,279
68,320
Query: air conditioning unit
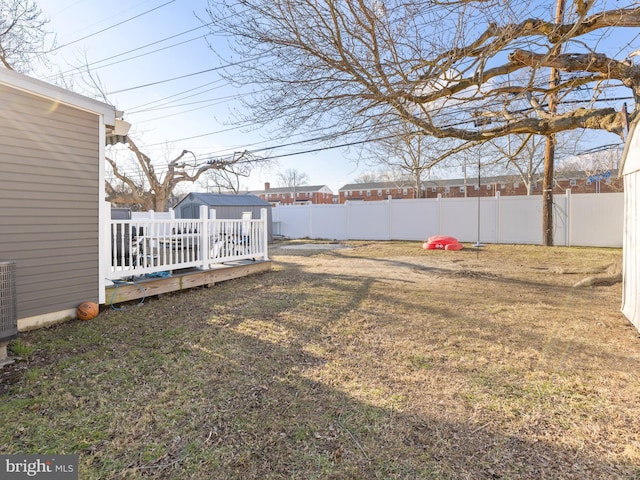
8,307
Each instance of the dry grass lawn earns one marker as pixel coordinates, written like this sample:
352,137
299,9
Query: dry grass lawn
376,361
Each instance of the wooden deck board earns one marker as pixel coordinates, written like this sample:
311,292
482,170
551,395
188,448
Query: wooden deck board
147,287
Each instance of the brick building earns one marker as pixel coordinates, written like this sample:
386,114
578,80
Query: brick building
315,194
578,182
377,191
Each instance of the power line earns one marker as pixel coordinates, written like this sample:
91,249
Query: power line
164,81
210,160
237,63
337,135
110,27
78,69
601,148
180,77
194,136
359,142
133,109
117,55
172,115
320,149
171,105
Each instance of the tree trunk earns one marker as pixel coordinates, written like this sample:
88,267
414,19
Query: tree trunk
550,146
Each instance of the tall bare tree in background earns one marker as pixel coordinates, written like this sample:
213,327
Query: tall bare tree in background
23,35
412,155
353,68
293,178
139,182
150,188
369,177
523,155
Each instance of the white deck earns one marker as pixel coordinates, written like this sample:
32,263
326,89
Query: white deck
156,248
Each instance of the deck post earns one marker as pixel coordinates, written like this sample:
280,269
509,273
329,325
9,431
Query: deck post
265,233
204,237
213,235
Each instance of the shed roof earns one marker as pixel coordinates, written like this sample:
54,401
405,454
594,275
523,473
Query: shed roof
225,199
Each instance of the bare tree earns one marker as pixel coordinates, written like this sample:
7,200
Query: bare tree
397,59
226,180
148,185
292,178
368,177
23,34
412,155
523,154
355,67
597,166
152,189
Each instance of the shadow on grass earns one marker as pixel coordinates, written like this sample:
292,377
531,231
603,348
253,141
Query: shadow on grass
457,272
242,381
551,325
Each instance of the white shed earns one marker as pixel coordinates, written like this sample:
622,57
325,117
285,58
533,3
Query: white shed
630,170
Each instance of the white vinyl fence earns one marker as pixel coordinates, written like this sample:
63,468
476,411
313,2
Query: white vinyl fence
153,244
579,219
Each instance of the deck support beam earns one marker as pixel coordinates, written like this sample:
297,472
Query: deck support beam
148,287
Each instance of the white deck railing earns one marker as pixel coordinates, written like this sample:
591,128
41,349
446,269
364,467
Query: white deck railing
157,247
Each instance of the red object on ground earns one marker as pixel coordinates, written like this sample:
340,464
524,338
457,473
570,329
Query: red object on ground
442,242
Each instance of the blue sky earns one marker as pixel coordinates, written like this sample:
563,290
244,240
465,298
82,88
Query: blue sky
191,113
155,64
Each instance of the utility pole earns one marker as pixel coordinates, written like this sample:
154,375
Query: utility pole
549,151
464,172
295,184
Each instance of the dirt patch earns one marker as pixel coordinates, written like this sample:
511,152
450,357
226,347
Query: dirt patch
554,266
313,246
10,374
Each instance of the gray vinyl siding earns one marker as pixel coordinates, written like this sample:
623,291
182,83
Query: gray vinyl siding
49,201
226,206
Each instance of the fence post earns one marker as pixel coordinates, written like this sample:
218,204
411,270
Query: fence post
348,218
389,200
567,218
498,219
204,237
439,214
264,216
